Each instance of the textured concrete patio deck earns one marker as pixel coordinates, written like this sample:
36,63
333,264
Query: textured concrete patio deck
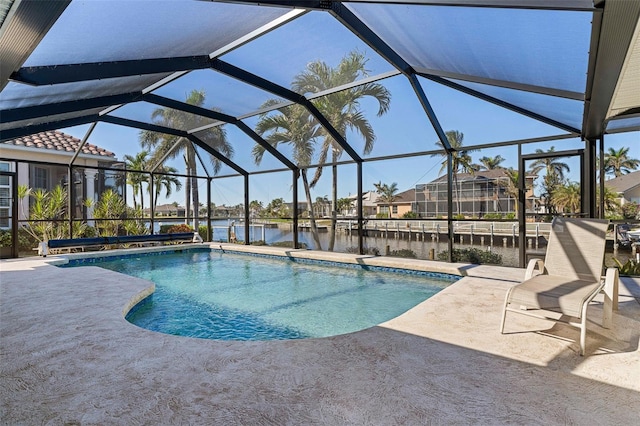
69,357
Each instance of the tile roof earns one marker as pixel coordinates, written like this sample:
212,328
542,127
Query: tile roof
480,174
407,196
58,141
625,182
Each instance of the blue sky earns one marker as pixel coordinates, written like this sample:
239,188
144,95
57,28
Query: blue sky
404,129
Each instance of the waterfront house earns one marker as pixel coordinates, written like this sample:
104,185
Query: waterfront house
627,187
474,195
41,161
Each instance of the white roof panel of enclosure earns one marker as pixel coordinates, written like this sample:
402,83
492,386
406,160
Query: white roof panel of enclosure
117,30
542,48
285,52
570,64
17,95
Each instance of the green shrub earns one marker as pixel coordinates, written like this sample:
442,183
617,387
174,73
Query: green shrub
403,253
26,241
203,231
181,227
472,255
164,229
510,216
288,244
5,238
630,268
88,232
492,216
410,215
259,243
371,251
631,210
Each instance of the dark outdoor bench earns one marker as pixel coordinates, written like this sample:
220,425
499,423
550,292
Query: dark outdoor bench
82,243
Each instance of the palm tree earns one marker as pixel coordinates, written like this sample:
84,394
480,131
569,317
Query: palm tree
321,205
491,163
387,193
566,198
255,207
216,137
163,178
343,110
611,203
511,185
345,205
554,173
461,160
617,162
292,125
138,162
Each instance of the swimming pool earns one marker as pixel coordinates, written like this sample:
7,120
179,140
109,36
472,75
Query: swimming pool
215,295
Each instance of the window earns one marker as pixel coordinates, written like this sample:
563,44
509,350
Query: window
394,209
40,178
5,196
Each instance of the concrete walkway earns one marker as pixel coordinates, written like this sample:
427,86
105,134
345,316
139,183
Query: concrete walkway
68,357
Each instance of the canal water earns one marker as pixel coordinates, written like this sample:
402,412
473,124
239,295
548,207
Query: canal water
344,242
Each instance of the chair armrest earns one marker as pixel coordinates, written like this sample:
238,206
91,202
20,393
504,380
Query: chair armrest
611,283
531,268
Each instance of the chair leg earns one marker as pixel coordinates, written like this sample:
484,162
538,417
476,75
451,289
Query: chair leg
583,329
504,311
610,296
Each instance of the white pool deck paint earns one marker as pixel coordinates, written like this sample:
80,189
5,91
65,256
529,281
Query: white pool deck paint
68,357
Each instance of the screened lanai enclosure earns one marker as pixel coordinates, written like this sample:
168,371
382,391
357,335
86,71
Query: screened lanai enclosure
410,128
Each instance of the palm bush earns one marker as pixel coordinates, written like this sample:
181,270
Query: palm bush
409,254
48,217
472,255
371,251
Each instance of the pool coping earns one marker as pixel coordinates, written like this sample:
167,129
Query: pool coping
443,360
460,269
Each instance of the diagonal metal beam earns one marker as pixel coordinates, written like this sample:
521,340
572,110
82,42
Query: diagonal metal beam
82,143
347,18
193,109
175,132
269,86
571,5
57,74
7,134
185,107
25,113
568,94
360,29
143,126
503,104
417,88
267,146
67,73
217,154
23,28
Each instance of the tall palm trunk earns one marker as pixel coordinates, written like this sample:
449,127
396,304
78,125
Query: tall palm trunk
187,190
195,193
312,219
141,198
196,202
334,201
458,191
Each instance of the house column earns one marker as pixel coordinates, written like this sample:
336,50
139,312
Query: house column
90,192
23,179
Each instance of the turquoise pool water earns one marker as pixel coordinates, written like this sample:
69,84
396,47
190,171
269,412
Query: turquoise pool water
226,296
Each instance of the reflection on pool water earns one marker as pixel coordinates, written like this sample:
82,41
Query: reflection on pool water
225,296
